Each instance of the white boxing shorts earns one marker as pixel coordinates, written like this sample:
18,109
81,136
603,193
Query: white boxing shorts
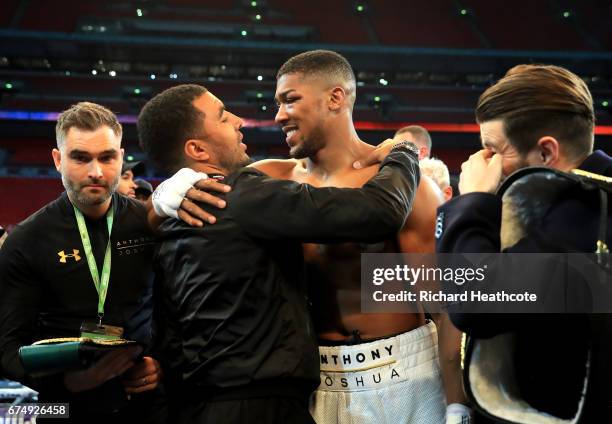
388,381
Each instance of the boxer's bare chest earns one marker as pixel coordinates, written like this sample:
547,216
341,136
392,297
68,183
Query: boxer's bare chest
334,270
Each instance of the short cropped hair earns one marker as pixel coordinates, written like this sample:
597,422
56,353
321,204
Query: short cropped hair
534,101
418,132
436,170
167,121
85,116
324,64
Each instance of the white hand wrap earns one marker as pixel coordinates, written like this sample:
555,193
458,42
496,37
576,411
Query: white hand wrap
168,196
457,413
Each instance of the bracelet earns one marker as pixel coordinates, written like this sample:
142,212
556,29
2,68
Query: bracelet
409,145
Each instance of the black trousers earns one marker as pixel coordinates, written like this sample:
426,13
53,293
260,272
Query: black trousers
144,408
271,402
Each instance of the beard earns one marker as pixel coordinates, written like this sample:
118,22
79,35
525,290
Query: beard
233,164
308,148
76,193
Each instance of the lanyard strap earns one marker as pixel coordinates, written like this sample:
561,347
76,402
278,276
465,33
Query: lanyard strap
100,283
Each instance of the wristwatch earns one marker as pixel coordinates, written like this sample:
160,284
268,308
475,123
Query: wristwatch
409,145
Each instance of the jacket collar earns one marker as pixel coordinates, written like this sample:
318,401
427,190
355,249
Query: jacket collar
598,162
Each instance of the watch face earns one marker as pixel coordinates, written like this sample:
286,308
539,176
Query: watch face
413,147
410,145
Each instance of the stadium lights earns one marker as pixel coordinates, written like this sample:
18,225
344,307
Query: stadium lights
257,97
10,86
136,93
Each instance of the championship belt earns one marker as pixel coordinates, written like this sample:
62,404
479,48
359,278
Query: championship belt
490,367
51,356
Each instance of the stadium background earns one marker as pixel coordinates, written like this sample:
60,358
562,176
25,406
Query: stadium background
416,62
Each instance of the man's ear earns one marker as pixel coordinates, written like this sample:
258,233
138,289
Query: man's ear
197,150
423,152
549,151
337,98
57,159
448,193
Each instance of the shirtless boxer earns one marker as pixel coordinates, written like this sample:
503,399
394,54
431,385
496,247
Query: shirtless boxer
315,94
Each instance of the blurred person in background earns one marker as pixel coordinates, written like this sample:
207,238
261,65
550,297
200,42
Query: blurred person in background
417,135
437,171
143,190
127,186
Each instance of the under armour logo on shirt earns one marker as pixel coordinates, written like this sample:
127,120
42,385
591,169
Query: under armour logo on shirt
63,256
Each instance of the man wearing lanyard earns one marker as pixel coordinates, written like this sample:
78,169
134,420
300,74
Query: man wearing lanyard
82,264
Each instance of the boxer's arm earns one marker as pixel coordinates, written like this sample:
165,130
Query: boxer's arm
449,353
418,237
274,209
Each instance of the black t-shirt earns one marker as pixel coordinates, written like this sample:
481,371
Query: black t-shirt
46,288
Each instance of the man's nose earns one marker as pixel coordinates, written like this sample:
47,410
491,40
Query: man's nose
281,115
95,170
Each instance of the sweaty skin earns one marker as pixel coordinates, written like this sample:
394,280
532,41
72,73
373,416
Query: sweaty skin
334,270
